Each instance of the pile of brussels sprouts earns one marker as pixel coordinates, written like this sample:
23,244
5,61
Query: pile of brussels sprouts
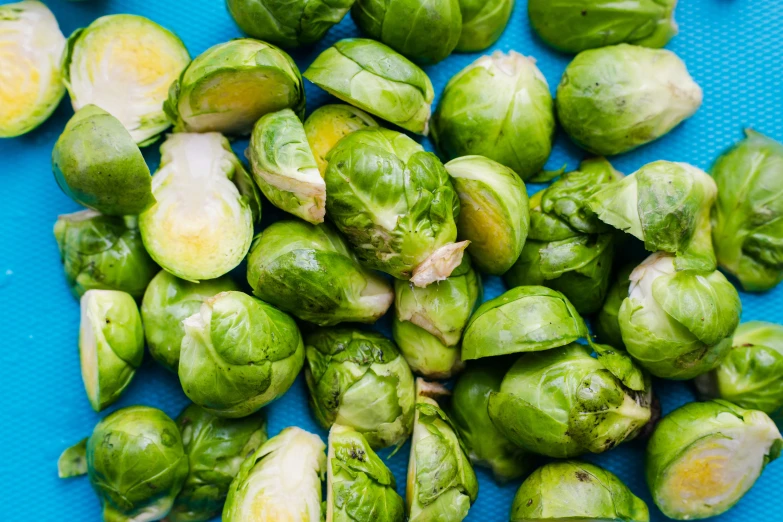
377,224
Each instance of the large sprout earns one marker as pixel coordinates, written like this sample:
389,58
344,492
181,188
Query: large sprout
703,457
310,272
124,64
607,324
614,99
359,380
747,219
238,355
32,45
483,21
499,107
328,124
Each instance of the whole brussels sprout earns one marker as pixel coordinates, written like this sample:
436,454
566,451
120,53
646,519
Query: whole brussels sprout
395,204
167,302
216,448
359,380
124,64
103,253
499,107
483,21
747,220
614,99
573,490
485,444
32,45
373,77
678,324
286,23
201,225
666,205
309,271
428,322
564,402
97,164
111,344
238,355
607,325
359,486
280,481
574,26
329,124
703,457
424,31
228,87
494,214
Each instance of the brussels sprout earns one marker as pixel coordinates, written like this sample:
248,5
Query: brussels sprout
395,204
678,324
614,99
309,271
231,85
32,44
359,380
703,457
486,445
483,21
373,77
607,327
747,221
286,23
499,107
103,253
666,205
124,64
167,302
564,402
215,448
359,486
238,355
441,482
329,124
573,490
280,481
201,226
111,345
574,26
494,214
424,31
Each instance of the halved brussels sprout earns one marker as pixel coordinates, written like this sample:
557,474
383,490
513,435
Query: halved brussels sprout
395,204
614,99
359,486
573,490
228,87
103,253
111,344
666,205
747,220
124,64
494,214
167,302
373,77
607,326
483,21
238,355
201,225
499,107
284,166
678,324
216,448
573,26
280,481
703,457
359,379
32,45
329,124
286,23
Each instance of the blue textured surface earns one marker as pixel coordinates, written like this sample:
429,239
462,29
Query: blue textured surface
732,48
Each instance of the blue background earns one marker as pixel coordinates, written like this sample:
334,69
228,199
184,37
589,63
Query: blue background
733,48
